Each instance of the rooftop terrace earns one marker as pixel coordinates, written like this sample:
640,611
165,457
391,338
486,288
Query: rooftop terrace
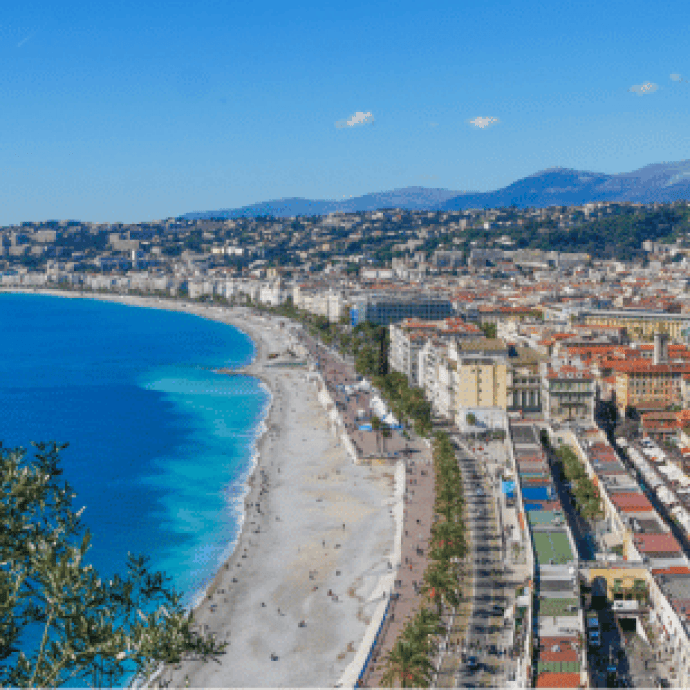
558,606
524,435
543,518
552,547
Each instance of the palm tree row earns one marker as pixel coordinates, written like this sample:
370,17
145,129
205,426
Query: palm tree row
406,402
408,663
448,543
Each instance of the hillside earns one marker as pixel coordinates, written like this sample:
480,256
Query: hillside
659,182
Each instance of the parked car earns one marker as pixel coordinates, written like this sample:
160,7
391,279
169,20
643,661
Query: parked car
472,663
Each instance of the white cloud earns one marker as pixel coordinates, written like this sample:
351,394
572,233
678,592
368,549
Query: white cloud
677,77
484,122
641,89
359,118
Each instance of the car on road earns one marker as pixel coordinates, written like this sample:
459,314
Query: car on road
594,639
480,491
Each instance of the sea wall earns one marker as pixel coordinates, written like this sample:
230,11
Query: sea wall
337,424
382,590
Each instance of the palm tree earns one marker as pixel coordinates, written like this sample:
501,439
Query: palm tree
448,540
376,427
407,664
420,631
440,584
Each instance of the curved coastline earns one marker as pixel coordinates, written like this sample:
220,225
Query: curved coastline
246,479
291,412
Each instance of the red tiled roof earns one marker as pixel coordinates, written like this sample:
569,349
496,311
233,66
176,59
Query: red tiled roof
640,366
673,570
681,607
558,680
656,543
631,502
601,447
568,371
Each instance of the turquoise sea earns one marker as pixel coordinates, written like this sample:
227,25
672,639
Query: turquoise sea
160,446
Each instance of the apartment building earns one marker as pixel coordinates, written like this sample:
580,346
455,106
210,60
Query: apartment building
383,310
490,314
646,385
568,392
409,337
438,377
481,382
523,385
640,324
661,581
481,368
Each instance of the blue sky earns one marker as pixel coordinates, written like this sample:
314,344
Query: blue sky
133,111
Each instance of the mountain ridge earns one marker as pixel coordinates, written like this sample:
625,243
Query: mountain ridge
555,186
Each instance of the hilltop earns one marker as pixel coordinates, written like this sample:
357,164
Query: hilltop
659,182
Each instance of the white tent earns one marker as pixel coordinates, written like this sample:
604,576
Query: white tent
652,479
378,407
666,496
671,471
678,511
682,516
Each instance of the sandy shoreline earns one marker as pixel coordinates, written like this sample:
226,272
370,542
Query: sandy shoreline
293,549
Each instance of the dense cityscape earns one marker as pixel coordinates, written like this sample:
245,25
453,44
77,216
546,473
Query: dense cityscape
544,354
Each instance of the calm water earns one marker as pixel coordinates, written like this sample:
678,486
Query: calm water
160,446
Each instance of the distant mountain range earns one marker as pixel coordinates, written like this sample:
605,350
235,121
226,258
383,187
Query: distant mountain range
660,182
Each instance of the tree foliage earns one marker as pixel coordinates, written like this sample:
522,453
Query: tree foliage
586,494
83,628
489,329
408,661
408,664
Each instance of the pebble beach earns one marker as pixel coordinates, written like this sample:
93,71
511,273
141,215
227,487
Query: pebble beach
296,596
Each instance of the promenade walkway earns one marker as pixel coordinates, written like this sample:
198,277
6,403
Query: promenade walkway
419,502
339,377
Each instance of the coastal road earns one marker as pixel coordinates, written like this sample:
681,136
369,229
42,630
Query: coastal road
488,582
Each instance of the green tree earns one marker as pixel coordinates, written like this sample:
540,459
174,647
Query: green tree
83,627
489,329
408,664
440,585
422,629
448,541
